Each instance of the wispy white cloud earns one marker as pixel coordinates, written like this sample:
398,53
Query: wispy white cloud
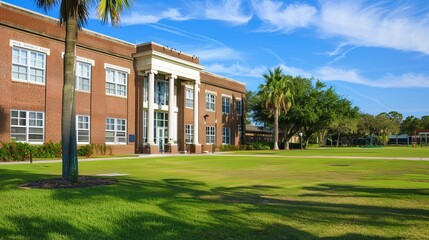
138,18
359,23
237,70
406,80
231,11
218,53
278,17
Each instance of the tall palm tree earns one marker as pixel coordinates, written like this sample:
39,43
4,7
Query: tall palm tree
74,14
276,95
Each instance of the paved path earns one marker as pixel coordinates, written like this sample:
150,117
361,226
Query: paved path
226,154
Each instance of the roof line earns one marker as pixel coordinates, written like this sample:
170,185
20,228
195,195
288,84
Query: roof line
56,20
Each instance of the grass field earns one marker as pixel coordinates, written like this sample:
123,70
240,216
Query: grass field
347,151
222,197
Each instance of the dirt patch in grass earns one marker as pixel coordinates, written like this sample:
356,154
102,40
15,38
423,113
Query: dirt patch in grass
83,181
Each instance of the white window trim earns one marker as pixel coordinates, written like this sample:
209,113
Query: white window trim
236,108
229,107
28,66
191,133
118,68
116,71
212,92
14,43
115,131
90,78
214,103
27,126
89,129
229,137
82,59
214,136
186,99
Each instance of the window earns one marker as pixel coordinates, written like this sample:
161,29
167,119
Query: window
27,126
239,107
161,92
239,130
83,76
82,129
210,135
226,105
116,130
116,82
145,126
210,102
226,136
145,89
28,65
189,97
189,133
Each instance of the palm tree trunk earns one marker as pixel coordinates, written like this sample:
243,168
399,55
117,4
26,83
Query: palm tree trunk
286,134
68,124
276,129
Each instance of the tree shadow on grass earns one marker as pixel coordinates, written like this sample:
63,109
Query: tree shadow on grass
188,209
340,190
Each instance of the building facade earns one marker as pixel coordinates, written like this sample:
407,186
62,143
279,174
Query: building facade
144,98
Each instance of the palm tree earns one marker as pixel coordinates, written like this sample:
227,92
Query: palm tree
276,95
74,14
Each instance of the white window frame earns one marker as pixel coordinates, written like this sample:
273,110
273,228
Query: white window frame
78,128
189,92
239,106
210,135
226,135
117,132
210,102
114,81
27,126
189,133
80,76
226,105
29,58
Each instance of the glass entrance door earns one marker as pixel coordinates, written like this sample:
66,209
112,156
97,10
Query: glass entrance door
161,138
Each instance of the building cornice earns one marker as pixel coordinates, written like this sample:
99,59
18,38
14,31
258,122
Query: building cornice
164,56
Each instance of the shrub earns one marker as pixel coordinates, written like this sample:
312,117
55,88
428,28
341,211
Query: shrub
100,149
228,147
86,150
14,151
47,150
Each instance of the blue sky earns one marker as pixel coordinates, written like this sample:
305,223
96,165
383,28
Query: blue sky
375,53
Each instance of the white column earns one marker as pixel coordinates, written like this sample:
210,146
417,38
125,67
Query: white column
196,114
171,121
150,113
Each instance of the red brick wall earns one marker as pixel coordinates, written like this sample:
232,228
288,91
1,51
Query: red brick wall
29,28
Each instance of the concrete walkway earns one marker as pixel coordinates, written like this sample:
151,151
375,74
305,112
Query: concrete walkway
226,154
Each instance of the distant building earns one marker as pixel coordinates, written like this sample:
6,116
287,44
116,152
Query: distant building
135,98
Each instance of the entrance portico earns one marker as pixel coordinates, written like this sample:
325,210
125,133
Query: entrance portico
163,72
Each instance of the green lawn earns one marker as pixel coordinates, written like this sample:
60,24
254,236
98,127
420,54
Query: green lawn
347,151
222,197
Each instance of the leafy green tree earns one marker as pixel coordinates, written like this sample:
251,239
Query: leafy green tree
329,107
397,118
410,124
276,95
74,14
424,122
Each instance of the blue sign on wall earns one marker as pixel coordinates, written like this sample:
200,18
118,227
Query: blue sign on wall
131,138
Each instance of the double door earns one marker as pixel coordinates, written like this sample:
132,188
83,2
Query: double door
161,138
